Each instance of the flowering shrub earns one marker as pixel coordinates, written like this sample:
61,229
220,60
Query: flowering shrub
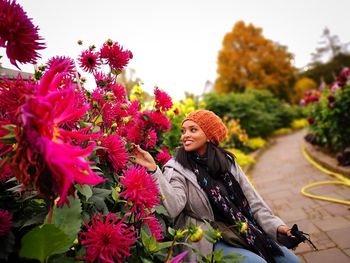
68,191
329,117
236,136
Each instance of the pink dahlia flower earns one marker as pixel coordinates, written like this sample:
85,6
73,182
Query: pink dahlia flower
18,34
68,167
45,157
107,240
141,190
116,151
5,222
162,99
151,139
115,55
154,226
158,120
89,60
163,156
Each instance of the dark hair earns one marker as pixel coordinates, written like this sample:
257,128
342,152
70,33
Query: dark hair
219,159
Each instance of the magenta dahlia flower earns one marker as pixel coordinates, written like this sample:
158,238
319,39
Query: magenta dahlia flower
46,157
107,240
141,190
115,55
163,156
5,222
162,99
89,60
12,97
158,120
104,80
154,226
6,172
18,34
67,167
151,139
116,151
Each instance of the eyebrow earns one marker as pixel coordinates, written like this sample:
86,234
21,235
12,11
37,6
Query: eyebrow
191,126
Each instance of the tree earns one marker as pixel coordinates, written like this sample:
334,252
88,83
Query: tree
249,60
327,72
330,47
328,60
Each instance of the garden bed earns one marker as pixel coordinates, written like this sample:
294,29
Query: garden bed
326,160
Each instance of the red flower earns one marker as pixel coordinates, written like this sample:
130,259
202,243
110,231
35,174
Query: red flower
103,80
107,241
5,222
116,151
154,226
116,57
45,158
67,166
151,139
163,100
119,92
18,34
158,120
163,156
12,96
89,60
5,172
141,190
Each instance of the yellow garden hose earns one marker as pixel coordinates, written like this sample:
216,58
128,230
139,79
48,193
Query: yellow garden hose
340,180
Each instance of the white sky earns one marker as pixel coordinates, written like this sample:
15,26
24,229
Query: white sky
175,42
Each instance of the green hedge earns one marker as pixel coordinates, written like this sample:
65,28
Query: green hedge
260,113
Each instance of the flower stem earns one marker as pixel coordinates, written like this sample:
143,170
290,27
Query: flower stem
49,218
170,251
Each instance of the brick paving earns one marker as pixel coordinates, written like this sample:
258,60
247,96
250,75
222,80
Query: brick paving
279,174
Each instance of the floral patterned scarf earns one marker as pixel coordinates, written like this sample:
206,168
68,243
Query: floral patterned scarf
234,208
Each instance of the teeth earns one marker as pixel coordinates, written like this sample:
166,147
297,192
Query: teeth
187,143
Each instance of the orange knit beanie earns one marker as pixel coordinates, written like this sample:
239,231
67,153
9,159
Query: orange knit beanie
210,123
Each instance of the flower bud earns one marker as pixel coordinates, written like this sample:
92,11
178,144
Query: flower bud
197,234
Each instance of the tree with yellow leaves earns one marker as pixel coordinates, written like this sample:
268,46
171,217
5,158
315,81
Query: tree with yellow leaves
249,60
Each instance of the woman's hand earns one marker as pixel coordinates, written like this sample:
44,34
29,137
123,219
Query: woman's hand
142,157
284,230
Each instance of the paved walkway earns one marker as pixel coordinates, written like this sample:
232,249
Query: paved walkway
279,175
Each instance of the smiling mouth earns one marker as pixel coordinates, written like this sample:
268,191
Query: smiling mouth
187,143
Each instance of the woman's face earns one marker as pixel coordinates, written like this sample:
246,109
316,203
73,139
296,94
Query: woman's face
193,138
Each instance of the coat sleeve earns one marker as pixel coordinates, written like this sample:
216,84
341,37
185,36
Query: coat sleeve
261,211
173,188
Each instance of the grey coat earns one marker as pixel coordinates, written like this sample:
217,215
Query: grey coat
186,202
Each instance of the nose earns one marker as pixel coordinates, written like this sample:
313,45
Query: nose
185,135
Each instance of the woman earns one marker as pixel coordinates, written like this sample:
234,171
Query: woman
205,182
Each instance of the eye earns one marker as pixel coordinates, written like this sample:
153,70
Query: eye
193,129
183,131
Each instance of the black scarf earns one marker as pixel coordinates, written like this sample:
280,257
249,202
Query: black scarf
234,208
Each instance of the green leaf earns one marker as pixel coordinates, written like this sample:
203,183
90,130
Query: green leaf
164,245
11,136
145,260
35,220
85,190
171,231
160,210
41,243
115,194
101,192
68,219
